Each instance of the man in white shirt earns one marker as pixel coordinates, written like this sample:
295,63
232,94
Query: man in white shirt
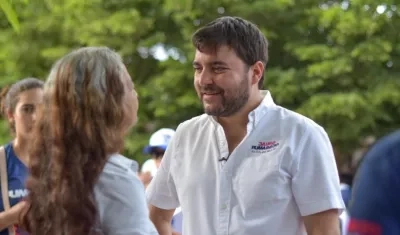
246,166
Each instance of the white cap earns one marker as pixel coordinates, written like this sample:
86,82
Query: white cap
159,139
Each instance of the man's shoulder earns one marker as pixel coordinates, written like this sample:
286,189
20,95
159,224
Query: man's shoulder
291,121
194,129
194,124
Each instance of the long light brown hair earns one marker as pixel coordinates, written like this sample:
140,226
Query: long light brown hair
79,126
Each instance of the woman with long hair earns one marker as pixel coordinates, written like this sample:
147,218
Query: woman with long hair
79,184
19,103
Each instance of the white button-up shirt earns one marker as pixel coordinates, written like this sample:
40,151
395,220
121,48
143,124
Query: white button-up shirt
283,169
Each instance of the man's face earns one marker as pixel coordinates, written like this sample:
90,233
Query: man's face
222,81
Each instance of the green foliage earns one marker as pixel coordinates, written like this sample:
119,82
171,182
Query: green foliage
336,62
10,14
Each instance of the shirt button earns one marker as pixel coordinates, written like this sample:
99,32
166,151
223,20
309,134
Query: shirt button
224,207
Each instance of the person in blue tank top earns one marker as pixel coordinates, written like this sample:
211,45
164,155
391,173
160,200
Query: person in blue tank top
19,104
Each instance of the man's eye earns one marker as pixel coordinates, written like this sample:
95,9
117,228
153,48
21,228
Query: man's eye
219,69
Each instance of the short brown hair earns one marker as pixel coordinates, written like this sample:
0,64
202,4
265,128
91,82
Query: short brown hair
242,36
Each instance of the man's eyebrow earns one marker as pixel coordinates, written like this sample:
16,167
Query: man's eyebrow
219,63
195,63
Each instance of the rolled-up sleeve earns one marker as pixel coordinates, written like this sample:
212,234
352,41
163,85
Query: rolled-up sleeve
315,182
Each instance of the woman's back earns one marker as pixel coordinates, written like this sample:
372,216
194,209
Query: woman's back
120,194
78,185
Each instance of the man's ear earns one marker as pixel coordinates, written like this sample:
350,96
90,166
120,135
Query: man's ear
257,72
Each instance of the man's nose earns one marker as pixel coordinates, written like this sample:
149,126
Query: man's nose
205,77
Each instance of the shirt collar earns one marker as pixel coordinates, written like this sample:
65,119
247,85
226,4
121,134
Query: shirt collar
267,102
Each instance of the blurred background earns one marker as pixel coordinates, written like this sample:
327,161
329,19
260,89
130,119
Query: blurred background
337,62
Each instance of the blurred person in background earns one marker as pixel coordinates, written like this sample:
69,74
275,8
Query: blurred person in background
346,179
19,106
347,171
246,166
79,183
375,202
346,176
158,143
359,153
345,188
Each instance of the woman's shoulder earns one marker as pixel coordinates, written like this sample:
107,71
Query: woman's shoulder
119,169
118,180
121,200
8,148
122,163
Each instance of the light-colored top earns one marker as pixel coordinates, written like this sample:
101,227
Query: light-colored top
120,199
177,220
149,166
283,169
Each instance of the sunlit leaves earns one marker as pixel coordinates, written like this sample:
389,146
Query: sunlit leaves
9,12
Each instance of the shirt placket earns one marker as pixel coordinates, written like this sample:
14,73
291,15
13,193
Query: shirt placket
225,187
225,184
224,201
